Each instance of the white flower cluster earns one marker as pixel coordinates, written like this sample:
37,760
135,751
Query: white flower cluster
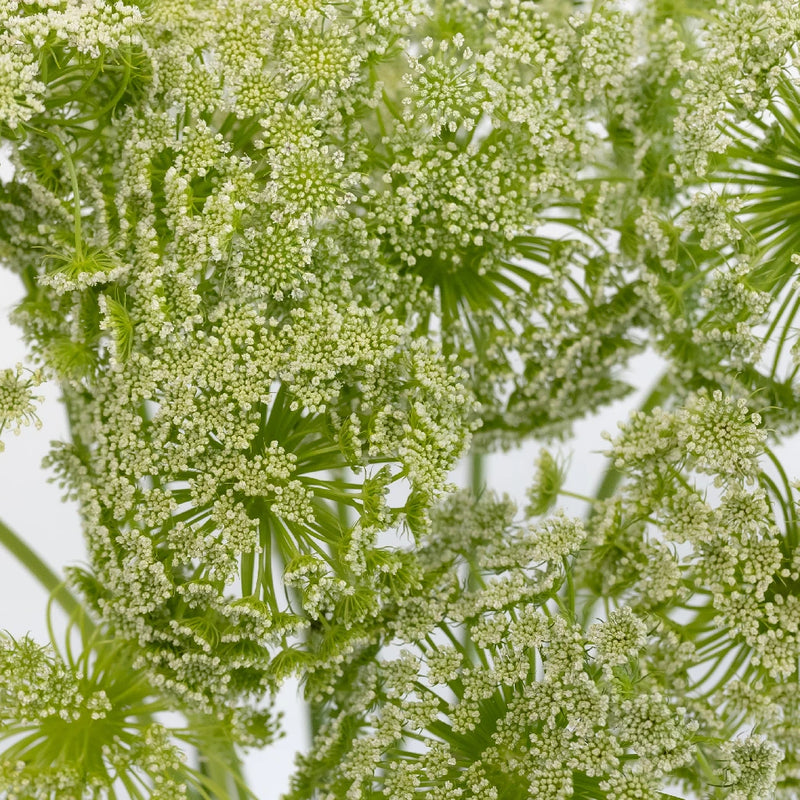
286,258
17,401
27,31
748,46
89,711
20,89
720,435
519,704
715,435
752,767
693,472
619,639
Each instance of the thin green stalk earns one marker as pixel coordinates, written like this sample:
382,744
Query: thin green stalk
576,496
790,512
570,595
782,339
224,775
477,475
39,569
777,316
740,659
477,484
770,484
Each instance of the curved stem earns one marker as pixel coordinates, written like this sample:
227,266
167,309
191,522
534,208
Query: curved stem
790,511
223,773
782,339
39,569
577,496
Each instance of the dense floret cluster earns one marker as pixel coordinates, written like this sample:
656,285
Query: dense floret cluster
17,400
84,726
490,687
288,262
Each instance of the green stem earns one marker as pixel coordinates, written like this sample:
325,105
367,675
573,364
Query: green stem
576,496
39,569
477,484
790,510
223,776
341,508
477,476
782,339
570,589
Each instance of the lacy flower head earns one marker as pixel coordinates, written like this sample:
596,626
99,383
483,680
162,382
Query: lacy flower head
87,726
702,535
274,294
489,687
708,228
410,172
287,261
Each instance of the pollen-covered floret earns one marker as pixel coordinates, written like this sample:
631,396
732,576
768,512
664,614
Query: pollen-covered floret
645,437
631,786
720,435
620,638
557,537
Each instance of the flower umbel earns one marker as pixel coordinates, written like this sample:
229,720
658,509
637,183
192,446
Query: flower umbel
17,400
